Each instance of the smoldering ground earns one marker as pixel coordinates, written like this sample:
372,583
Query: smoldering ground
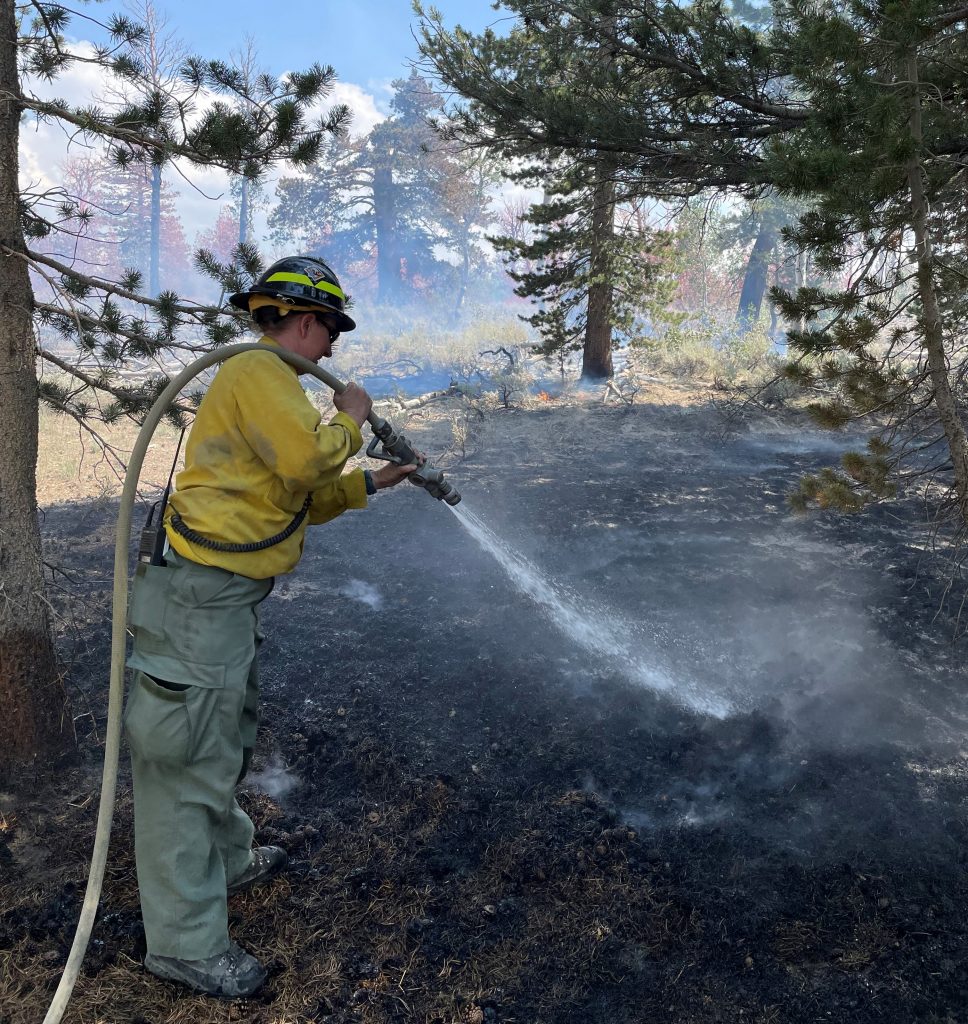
808,628
491,821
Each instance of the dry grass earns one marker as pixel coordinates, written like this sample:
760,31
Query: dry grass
73,465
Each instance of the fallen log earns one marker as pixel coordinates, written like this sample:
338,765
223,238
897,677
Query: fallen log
420,400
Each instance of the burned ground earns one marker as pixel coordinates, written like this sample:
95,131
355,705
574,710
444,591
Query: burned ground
489,821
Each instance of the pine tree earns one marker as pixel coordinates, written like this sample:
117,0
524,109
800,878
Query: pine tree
106,317
384,203
591,280
592,273
856,108
886,83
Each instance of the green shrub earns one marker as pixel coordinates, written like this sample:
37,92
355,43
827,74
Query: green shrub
707,353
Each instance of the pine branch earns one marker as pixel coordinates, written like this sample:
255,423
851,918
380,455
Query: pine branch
952,18
113,288
163,147
795,114
97,325
121,394
107,449
52,34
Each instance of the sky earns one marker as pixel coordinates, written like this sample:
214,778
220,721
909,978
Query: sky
369,43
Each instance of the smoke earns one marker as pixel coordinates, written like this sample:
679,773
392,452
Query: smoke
812,642
364,593
275,780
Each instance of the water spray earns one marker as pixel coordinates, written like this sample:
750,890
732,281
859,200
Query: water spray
386,445
604,635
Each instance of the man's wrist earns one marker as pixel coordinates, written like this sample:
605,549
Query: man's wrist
371,485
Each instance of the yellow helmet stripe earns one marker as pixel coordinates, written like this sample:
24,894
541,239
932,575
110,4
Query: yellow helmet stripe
323,286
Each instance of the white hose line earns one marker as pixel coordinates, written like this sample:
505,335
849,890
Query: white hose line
112,743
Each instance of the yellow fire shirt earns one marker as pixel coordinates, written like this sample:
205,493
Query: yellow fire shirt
256,449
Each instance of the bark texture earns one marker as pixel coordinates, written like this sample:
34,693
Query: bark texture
755,278
596,361
931,325
35,716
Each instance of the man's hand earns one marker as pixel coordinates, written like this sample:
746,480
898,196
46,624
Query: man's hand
355,402
390,475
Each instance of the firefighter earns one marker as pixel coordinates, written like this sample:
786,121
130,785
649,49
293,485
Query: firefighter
260,467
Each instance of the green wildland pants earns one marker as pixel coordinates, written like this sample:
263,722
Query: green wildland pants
190,721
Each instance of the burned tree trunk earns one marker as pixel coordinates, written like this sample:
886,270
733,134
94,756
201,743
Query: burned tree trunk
597,352
35,717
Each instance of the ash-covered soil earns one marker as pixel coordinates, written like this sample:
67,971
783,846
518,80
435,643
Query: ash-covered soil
493,818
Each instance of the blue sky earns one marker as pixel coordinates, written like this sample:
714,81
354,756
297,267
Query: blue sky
368,42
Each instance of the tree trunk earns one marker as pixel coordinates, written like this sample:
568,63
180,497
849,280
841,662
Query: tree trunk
154,256
933,334
385,217
754,280
465,274
244,213
34,716
596,361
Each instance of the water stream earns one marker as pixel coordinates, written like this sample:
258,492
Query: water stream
591,626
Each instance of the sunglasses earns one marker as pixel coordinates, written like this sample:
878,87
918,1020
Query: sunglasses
329,323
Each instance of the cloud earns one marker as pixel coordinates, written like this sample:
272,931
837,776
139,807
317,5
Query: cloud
366,115
46,146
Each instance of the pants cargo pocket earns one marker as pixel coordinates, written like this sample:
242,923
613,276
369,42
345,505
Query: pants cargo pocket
206,709
156,722
195,614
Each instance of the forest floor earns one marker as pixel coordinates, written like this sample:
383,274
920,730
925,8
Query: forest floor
716,773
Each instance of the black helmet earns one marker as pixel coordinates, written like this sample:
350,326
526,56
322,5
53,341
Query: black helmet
301,281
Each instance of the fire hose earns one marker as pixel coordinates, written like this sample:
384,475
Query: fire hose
386,444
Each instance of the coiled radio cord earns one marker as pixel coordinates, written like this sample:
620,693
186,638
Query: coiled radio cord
178,525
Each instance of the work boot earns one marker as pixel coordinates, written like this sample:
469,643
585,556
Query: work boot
233,974
266,862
